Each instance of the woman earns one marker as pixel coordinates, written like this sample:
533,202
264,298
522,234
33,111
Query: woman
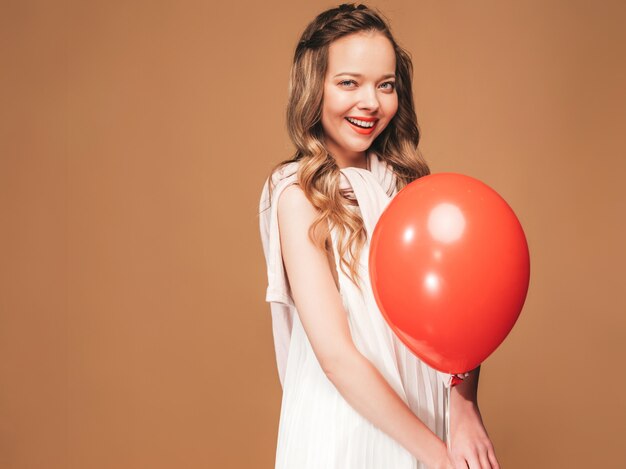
354,397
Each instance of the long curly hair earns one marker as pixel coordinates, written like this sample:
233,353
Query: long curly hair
318,174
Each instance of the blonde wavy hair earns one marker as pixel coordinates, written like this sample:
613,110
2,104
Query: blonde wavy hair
318,174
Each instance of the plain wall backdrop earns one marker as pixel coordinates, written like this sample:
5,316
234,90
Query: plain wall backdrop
135,137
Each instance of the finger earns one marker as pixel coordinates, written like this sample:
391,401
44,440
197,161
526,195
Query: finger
473,462
484,460
492,459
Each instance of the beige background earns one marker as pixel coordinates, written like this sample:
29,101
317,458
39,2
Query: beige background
134,140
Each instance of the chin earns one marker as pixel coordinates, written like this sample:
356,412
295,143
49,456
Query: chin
357,148
361,146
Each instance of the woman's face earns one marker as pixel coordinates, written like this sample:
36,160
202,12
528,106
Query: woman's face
359,84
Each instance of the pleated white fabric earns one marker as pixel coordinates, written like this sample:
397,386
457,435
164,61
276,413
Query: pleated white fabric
318,428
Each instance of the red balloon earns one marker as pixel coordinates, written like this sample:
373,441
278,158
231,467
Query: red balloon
449,267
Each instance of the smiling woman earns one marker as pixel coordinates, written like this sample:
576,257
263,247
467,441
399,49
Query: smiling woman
356,110
354,396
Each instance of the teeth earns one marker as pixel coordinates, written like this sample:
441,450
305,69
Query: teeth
361,123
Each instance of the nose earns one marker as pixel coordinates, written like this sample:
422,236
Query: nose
368,99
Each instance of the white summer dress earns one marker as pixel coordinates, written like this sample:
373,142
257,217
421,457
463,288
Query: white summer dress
318,428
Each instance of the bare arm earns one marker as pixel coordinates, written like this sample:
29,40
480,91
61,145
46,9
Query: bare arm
470,443
466,392
323,317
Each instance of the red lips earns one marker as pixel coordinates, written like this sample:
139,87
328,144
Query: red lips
362,130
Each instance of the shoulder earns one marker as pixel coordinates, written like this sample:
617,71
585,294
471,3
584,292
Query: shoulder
294,207
274,184
293,198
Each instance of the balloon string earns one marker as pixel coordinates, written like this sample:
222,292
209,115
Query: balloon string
448,417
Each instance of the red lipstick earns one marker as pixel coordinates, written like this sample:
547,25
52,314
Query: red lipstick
362,130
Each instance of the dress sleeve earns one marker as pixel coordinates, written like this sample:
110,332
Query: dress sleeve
278,289
278,293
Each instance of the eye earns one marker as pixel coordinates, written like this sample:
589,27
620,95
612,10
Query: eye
391,83
346,81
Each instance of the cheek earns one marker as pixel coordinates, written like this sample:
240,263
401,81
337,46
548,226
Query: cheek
329,111
391,106
335,103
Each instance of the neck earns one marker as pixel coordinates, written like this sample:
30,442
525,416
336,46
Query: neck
354,160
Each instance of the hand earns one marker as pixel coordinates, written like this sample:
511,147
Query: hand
470,446
443,459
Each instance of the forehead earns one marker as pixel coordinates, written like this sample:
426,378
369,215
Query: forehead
367,53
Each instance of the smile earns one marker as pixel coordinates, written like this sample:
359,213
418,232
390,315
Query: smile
361,126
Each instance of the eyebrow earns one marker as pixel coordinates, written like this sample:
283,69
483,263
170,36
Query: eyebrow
389,75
